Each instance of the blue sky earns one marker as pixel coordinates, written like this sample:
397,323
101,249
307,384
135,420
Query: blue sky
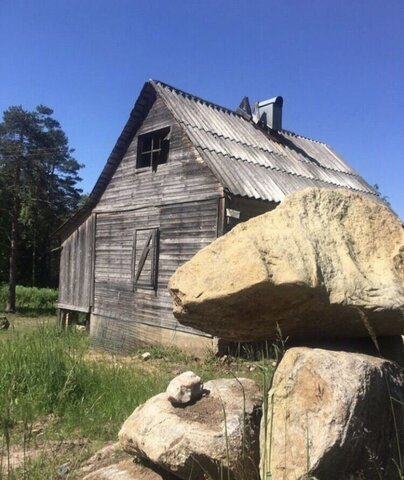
338,64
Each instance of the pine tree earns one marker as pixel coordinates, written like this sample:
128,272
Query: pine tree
38,178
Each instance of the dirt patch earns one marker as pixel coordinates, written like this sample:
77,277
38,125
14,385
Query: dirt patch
18,456
109,463
152,366
207,411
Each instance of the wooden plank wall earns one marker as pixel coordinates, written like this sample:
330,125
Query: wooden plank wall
184,230
184,200
181,198
183,178
76,268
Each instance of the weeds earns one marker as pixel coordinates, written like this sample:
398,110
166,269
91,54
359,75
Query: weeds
48,377
279,349
45,373
399,465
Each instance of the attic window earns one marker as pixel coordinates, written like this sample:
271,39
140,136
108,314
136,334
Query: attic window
153,148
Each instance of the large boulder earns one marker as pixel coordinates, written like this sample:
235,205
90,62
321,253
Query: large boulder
323,263
333,415
217,435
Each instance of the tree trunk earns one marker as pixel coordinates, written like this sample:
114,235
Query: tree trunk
12,277
33,273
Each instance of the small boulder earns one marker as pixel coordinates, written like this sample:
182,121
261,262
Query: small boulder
324,263
330,416
185,388
217,435
4,323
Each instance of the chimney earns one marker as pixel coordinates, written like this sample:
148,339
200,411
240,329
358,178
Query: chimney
270,112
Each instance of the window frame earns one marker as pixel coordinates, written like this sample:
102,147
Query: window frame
162,135
152,247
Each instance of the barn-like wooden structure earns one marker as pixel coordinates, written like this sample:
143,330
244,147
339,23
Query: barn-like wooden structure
183,172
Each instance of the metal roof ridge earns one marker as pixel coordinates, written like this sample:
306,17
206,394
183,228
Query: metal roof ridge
198,99
216,106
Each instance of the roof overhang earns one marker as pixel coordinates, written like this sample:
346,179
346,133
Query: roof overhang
138,114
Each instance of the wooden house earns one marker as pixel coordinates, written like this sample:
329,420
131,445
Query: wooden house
183,172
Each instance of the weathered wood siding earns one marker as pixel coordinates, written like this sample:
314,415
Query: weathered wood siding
248,208
184,201
184,229
181,198
183,178
76,268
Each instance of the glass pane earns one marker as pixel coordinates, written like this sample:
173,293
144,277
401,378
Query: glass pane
157,142
146,143
144,160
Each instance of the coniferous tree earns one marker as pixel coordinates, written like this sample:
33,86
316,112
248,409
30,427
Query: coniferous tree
38,178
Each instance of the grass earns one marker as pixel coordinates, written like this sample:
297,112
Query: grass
45,372
46,379
56,392
31,300
63,400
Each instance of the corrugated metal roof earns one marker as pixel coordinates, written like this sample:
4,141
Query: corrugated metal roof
252,161
248,160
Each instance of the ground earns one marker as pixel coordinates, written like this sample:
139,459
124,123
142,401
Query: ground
71,400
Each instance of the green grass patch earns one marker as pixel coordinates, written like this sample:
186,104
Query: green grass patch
65,400
31,300
45,372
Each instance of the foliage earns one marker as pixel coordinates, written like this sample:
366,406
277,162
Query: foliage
45,373
52,379
38,177
385,198
32,299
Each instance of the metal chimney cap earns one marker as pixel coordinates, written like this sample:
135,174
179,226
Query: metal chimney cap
278,101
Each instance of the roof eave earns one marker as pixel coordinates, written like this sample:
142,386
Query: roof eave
146,98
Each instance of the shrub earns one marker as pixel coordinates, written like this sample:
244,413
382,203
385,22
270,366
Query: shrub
31,299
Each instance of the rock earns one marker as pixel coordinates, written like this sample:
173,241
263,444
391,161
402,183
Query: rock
124,470
214,436
323,263
4,323
105,456
330,416
185,388
390,348
145,356
111,463
63,470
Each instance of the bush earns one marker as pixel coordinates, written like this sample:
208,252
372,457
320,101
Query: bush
31,299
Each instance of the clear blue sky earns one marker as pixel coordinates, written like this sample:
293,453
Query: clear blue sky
338,64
